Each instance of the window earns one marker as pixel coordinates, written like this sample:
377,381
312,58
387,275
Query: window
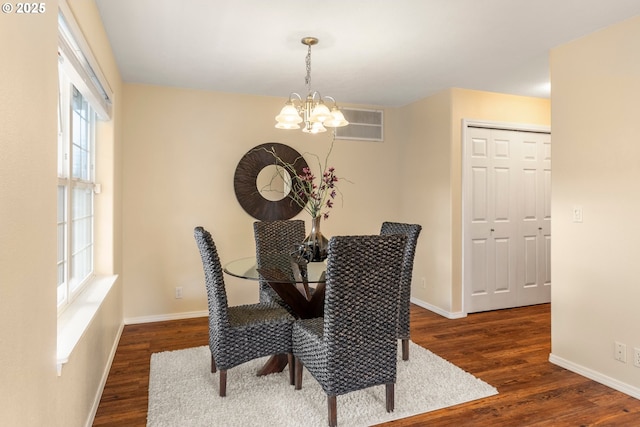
84,115
84,97
76,175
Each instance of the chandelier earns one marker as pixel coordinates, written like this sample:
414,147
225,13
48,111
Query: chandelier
312,111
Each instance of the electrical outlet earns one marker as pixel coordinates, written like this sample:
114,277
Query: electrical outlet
621,352
178,292
636,357
423,281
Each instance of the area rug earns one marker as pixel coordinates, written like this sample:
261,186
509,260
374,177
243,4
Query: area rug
183,392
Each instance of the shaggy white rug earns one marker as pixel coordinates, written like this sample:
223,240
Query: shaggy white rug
183,392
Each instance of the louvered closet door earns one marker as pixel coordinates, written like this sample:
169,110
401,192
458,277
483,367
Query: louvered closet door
506,219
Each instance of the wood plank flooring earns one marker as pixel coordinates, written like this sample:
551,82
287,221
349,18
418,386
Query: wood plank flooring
508,349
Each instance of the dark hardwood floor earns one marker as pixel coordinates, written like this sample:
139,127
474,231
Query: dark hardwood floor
508,349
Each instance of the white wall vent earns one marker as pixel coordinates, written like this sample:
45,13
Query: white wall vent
364,125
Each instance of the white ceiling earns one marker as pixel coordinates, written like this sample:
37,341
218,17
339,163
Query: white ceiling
379,52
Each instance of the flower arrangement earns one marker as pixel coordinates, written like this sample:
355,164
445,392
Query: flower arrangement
314,196
317,196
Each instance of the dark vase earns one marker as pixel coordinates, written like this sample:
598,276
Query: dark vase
316,242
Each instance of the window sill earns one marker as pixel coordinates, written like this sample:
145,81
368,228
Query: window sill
76,318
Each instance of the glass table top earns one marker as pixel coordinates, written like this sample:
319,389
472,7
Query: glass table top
247,268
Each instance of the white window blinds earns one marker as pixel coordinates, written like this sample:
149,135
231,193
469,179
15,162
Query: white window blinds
80,64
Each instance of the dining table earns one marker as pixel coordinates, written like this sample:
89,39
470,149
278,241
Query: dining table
301,286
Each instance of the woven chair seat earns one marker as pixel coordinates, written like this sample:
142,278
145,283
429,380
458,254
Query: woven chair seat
242,315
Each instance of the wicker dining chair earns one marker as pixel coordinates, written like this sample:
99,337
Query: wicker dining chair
275,241
241,333
354,345
412,231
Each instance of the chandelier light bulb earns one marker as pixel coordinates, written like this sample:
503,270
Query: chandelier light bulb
287,126
336,120
313,128
320,112
289,115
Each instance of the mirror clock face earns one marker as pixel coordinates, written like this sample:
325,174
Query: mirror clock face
261,186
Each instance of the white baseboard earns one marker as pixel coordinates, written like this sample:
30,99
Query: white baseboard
164,317
105,375
595,376
438,310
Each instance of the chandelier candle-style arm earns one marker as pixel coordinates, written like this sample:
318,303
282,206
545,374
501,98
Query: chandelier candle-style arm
312,111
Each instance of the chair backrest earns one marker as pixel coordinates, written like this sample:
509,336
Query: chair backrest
412,231
360,313
276,237
275,241
214,280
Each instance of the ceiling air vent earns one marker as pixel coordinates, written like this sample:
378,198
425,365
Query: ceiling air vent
364,125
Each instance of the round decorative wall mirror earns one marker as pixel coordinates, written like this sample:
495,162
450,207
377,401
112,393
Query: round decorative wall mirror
273,183
262,186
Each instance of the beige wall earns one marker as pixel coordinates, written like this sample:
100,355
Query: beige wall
596,291
432,176
181,149
31,393
27,217
426,194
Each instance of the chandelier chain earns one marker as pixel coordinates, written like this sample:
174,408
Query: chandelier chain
307,79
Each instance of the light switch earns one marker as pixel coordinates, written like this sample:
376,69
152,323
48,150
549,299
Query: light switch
577,214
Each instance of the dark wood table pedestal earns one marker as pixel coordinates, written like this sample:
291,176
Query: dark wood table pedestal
304,303
277,363
291,282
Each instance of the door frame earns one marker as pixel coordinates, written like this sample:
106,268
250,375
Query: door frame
466,124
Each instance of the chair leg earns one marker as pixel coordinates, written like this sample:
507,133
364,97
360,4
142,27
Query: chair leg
405,349
298,380
333,411
223,382
390,396
213,365
292,365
